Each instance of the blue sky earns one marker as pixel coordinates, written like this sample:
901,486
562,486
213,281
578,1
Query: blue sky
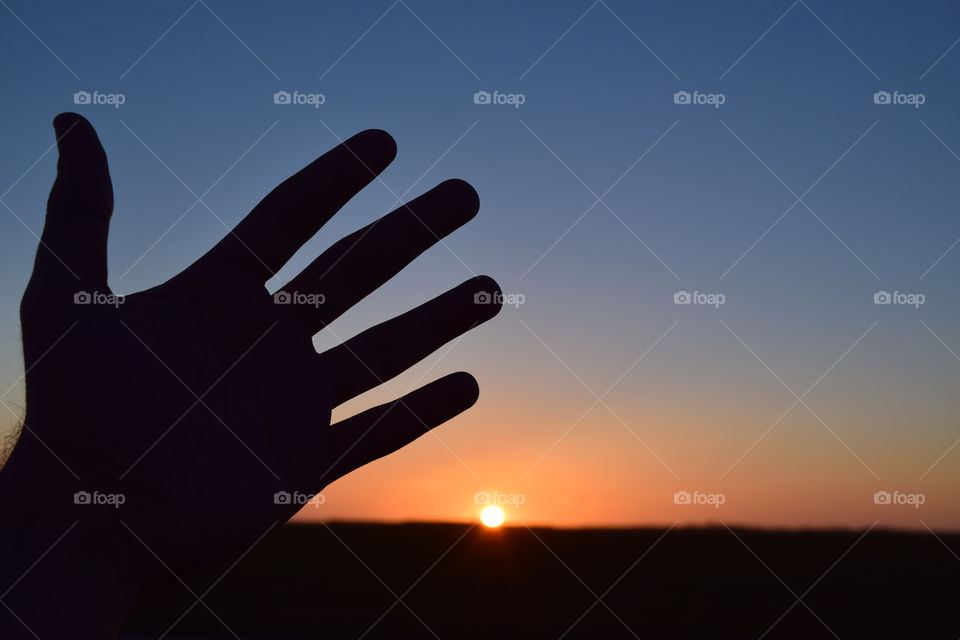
797,199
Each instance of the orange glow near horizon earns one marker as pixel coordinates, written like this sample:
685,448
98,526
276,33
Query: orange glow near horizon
600,475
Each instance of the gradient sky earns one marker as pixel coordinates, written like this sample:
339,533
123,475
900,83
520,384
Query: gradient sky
694,198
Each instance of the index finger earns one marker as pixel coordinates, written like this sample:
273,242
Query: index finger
295,210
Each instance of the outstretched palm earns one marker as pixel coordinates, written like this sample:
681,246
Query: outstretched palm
199,400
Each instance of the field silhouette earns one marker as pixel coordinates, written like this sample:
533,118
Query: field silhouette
335,581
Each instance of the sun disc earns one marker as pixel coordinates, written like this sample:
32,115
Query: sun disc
492,516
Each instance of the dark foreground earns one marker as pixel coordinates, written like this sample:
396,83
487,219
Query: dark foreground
454,581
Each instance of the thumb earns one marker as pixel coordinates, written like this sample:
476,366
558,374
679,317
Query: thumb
74,240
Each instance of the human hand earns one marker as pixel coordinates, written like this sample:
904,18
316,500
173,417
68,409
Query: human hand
199,399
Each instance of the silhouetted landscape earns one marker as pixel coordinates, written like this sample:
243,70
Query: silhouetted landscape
320,582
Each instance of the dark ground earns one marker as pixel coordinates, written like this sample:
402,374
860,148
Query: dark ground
343,582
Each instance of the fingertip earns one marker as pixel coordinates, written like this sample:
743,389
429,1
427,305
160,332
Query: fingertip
77,139
375,146
462,196
83,175
468,389
489,284
66,121
488,296
63,121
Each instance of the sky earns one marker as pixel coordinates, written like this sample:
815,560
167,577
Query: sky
786,168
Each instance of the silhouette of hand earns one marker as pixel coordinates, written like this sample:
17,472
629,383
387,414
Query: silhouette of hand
187,410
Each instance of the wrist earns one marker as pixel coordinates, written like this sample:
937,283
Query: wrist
64,566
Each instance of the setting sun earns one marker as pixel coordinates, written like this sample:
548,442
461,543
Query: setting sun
492,516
